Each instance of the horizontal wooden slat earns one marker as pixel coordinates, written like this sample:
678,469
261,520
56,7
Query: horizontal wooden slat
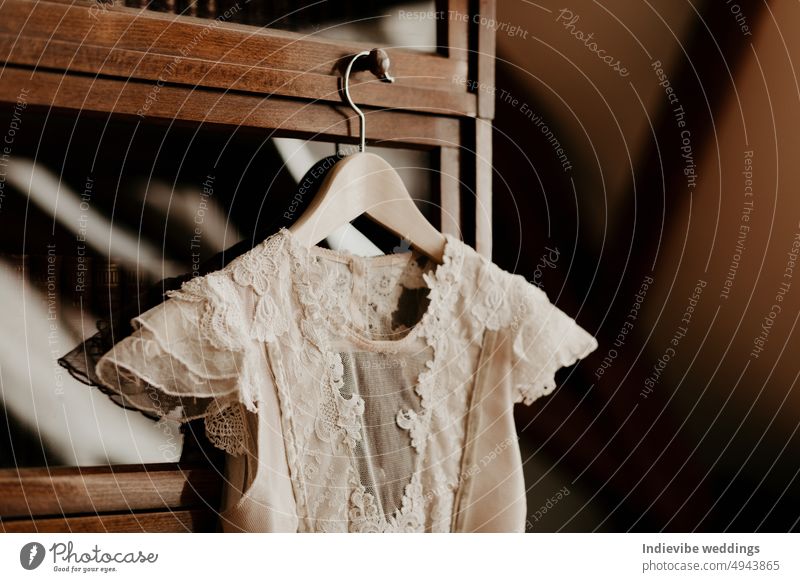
25,493
203,73
77,93
150,522
128,43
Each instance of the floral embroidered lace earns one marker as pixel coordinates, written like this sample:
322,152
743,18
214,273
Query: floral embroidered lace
373,382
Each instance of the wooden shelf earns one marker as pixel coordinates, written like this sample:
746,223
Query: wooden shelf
131,44
160,497
146,522
85,95
70,490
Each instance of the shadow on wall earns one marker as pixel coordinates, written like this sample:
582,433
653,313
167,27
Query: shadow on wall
652,146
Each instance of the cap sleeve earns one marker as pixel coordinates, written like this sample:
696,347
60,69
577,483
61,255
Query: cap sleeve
545,339
188,358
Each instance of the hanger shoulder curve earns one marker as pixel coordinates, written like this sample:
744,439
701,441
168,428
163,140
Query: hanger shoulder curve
365,183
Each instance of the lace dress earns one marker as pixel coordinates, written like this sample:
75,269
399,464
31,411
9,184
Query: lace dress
351,393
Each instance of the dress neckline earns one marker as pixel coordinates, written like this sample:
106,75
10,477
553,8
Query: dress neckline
441,282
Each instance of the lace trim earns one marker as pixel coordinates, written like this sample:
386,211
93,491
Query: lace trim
544,341
415,424
339,418
385,290
324,318
365,517
444,287
543,381
225,428
169,406
188,359
258,267
311,285
289,428
326,315
490,306
269,321
222,319
222,324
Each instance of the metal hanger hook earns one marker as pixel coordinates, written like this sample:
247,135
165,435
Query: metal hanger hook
380,68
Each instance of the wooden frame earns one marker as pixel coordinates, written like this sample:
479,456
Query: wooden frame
164,497
150,46
83,58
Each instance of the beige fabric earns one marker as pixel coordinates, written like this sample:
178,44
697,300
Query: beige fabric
351,393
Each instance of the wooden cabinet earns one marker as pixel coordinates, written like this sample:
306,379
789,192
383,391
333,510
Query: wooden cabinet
157,71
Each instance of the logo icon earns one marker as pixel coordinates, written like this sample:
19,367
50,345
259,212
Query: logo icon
31,555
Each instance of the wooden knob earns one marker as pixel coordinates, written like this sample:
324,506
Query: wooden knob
379,64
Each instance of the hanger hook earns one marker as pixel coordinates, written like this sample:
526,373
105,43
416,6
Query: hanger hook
380,68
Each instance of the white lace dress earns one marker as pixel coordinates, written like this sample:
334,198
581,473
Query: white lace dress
350,393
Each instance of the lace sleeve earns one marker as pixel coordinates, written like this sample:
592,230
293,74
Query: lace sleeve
545,339
188,358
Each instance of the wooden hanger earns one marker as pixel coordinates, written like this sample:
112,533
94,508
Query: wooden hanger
364,183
